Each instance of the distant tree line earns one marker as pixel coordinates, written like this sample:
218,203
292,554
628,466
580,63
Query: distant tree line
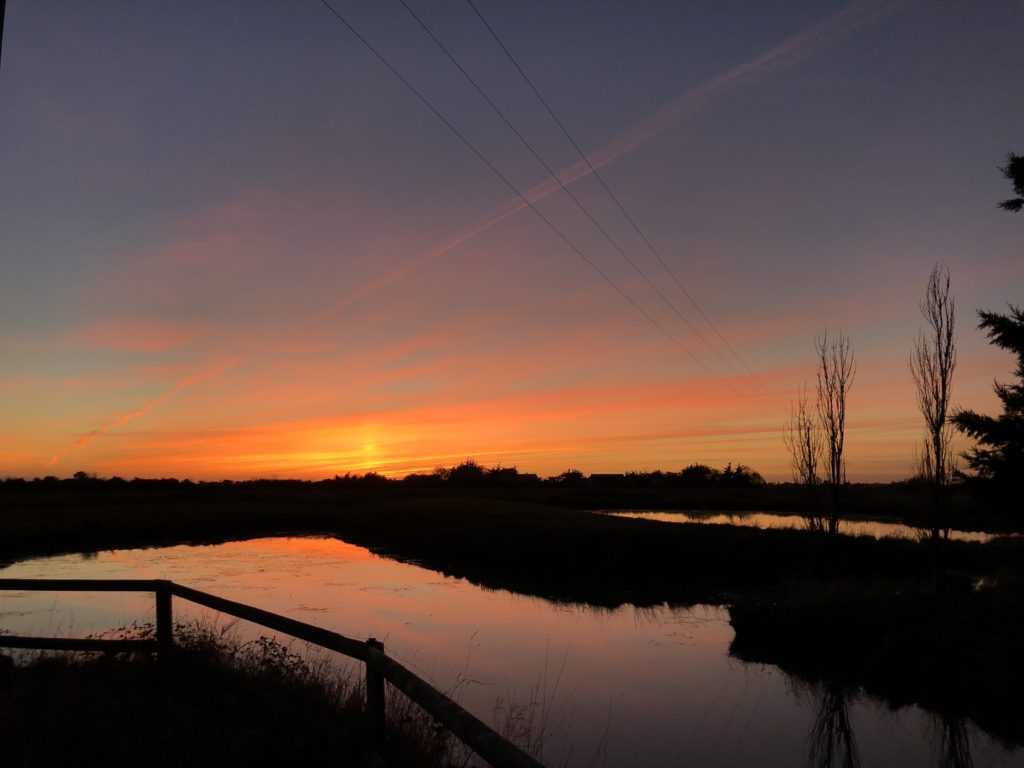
468,473
472,473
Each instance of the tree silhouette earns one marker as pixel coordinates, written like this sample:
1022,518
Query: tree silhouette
740,476
803,439
499,474
999,453
570,477
1014,171
932,362
836,371
698,475
468,472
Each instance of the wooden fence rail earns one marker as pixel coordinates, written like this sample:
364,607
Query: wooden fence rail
380,667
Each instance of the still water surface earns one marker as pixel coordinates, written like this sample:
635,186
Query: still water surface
629,687
874,528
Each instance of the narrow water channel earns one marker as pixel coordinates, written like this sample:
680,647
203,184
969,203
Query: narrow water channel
874,528
628,687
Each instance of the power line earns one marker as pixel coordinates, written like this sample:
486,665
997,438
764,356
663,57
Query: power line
614,198
437,113
551,172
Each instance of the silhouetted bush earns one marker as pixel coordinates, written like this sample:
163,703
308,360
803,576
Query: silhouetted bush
467,473
698,476
502,475
570,477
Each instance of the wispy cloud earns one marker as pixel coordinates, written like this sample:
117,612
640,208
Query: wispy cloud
138,334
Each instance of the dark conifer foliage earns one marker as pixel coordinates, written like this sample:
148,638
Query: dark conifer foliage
1014,171
999,453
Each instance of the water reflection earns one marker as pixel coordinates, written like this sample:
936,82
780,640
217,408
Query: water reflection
952,740
876,529
626,687
831,742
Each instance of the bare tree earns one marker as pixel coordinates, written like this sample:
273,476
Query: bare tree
836,371
932,362
802,437
922,466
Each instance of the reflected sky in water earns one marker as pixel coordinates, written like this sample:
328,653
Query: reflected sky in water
651,687
875,528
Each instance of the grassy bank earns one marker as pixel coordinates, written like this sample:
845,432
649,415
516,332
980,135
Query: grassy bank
540,549
215,702
895,502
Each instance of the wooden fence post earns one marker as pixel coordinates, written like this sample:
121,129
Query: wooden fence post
164,620
375,695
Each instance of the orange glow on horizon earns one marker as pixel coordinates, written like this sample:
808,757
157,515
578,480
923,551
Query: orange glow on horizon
597,429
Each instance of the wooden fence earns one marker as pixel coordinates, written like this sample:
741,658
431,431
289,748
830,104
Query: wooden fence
380,667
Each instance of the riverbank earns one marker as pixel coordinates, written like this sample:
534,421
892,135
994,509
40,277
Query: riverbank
906,503
552,551
786,588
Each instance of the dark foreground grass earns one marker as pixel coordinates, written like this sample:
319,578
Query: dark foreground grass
213,702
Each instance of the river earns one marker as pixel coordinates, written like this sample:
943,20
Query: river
875,528
624,687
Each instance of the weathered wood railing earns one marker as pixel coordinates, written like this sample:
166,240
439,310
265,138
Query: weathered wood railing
380,667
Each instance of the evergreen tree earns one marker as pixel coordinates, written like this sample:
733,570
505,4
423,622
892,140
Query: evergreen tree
999,454
1014,171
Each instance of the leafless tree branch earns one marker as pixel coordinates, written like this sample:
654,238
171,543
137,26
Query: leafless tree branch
932,362
803,439
836,372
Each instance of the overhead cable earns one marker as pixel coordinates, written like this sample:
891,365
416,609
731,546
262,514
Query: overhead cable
572,196
597,175
526,201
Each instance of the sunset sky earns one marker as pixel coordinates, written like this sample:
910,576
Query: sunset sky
233,244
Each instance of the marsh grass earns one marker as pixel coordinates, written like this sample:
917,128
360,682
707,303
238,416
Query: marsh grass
525,722
539,721
217,700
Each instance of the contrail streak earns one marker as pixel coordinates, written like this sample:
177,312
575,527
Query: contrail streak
394,275
810,41
143,410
